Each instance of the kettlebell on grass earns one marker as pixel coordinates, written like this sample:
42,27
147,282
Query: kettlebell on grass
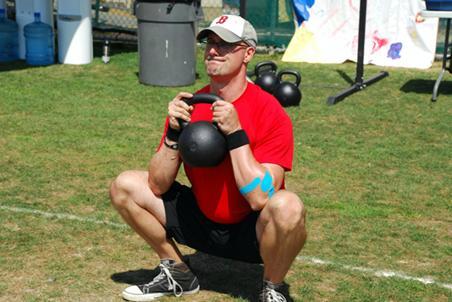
266,76
288,93
201,143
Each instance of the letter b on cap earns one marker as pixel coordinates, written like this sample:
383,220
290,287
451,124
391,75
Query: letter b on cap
222,19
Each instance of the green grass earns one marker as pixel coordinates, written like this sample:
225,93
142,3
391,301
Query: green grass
374,172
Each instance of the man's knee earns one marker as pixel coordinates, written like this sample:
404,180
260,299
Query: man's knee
124,184
287,211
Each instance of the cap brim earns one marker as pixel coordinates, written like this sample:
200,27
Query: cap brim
224,34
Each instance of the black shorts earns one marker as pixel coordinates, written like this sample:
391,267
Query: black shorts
189,226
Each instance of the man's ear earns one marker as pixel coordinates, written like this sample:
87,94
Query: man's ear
250,51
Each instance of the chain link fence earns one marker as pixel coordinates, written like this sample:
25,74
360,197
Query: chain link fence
116,20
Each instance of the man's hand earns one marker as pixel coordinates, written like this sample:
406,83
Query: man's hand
177,108
225,115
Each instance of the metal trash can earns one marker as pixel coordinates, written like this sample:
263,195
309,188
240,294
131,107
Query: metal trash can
166,42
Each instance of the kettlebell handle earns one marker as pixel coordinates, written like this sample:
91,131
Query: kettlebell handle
290,72
206,98
261,65
199,98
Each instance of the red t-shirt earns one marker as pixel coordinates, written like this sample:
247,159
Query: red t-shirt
269,130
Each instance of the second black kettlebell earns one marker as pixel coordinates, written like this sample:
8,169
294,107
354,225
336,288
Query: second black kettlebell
266,76
201,144
288,93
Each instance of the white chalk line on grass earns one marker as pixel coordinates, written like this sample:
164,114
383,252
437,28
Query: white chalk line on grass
311,260
375,272
61,216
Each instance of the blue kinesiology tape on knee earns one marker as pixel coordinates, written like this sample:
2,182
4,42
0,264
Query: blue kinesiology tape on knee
250,186
267,184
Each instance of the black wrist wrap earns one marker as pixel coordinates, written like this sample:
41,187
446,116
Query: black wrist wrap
172,135
237,139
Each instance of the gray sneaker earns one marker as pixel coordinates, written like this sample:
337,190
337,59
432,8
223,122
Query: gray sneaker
174,279
270,293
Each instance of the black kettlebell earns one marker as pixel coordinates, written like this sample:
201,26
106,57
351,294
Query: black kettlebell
266,76
201,144
288,93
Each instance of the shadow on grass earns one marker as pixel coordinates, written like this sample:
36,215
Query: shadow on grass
234,278
115,48
426,86
16,65
345,76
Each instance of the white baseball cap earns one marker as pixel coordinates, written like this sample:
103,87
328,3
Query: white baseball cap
232,29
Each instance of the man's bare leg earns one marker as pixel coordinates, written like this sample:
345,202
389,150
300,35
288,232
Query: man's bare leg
281,233
143,211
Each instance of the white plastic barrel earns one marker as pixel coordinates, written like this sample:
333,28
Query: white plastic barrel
75,36
25,10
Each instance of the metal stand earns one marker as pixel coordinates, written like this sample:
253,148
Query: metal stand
444,66
447,57
360,83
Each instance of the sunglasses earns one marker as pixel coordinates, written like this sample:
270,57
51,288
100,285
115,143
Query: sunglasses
221,45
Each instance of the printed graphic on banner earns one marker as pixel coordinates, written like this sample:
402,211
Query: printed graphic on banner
396,34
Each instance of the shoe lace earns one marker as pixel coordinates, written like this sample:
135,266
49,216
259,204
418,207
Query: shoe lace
271,295
172,284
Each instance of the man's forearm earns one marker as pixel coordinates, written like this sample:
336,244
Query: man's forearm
163,169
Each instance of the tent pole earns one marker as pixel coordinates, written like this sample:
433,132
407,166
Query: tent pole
243,9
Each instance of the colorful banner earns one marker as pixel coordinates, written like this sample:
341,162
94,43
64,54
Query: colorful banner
396,34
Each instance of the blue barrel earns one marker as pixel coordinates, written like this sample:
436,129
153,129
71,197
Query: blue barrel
9,39
38,42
